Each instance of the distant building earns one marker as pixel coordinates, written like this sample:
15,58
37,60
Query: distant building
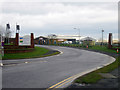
88,41
53,40
41,40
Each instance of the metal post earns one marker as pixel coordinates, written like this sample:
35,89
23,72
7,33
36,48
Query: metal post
78,35
16,27
8,38
1,38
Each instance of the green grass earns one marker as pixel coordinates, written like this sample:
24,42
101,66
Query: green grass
8,44
102,48
96,47
94,76
38,52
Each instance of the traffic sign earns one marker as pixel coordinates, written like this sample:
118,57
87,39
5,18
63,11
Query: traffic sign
2,43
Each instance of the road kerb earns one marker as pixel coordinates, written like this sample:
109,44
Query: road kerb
68,81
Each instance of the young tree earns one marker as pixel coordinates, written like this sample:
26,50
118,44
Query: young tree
2,32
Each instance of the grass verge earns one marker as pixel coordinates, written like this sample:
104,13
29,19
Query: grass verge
94,76
38,52
102,48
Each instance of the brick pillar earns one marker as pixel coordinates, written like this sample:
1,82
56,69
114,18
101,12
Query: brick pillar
17,39
110,41
32,40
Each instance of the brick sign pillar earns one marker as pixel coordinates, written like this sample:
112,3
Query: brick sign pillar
32,40
110,41
17,39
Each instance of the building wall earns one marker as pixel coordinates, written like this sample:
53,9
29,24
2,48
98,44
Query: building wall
45,41
89,43
56,41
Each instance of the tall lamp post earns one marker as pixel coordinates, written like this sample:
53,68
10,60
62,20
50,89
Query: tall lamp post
102,37
78,34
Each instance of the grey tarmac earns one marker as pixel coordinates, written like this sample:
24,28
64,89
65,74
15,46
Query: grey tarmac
47,71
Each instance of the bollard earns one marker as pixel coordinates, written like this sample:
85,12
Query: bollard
87,46
117,50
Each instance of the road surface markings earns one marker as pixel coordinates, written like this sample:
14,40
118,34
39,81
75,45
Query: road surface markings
59,51
70,79
1,64
11,64
64,82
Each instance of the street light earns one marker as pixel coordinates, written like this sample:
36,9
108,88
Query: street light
79,34
102,37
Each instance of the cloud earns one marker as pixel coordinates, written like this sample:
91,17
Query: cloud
49,17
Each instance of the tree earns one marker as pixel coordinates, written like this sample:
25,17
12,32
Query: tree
2,31
5,33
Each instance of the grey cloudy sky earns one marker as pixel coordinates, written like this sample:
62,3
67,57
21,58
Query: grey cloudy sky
43,18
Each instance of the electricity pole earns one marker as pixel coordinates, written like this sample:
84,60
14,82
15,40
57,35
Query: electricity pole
102,37
78,34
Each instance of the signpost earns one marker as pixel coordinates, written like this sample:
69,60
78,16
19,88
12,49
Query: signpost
25,40
17,28
2,43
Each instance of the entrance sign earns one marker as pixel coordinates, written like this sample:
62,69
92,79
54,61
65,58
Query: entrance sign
25,40
2,43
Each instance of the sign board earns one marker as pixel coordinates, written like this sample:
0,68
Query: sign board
60,40
2,43
25,40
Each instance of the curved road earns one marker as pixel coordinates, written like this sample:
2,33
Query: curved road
47,71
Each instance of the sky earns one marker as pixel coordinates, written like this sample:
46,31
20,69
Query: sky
48,17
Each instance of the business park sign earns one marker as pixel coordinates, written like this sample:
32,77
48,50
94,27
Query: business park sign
25,40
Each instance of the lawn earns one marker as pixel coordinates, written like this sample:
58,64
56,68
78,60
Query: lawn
94,76
102,48
96,47
38,52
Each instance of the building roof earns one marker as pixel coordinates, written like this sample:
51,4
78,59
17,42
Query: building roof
41,37
88,39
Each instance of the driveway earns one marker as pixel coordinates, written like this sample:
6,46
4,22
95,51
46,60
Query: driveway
48,71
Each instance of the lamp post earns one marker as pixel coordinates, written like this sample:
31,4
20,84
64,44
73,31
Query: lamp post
102,37
78,34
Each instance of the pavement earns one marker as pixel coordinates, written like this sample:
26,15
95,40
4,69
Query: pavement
54,71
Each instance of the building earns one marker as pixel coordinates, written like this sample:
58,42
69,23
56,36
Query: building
88,41
53,40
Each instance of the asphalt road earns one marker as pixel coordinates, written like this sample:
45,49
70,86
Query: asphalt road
47,71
